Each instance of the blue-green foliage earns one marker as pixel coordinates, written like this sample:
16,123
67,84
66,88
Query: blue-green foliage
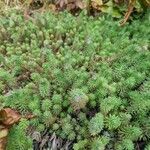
85,78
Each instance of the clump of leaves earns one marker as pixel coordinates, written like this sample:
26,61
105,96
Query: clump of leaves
96,124
78,99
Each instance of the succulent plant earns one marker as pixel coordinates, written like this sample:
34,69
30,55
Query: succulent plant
84,78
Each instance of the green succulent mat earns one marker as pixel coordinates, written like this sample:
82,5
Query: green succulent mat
85,78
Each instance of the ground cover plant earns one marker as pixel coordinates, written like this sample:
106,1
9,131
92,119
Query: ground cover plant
85,79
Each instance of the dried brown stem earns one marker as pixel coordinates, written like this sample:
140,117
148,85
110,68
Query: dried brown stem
128,13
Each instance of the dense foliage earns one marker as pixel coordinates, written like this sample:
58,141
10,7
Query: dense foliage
85,78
